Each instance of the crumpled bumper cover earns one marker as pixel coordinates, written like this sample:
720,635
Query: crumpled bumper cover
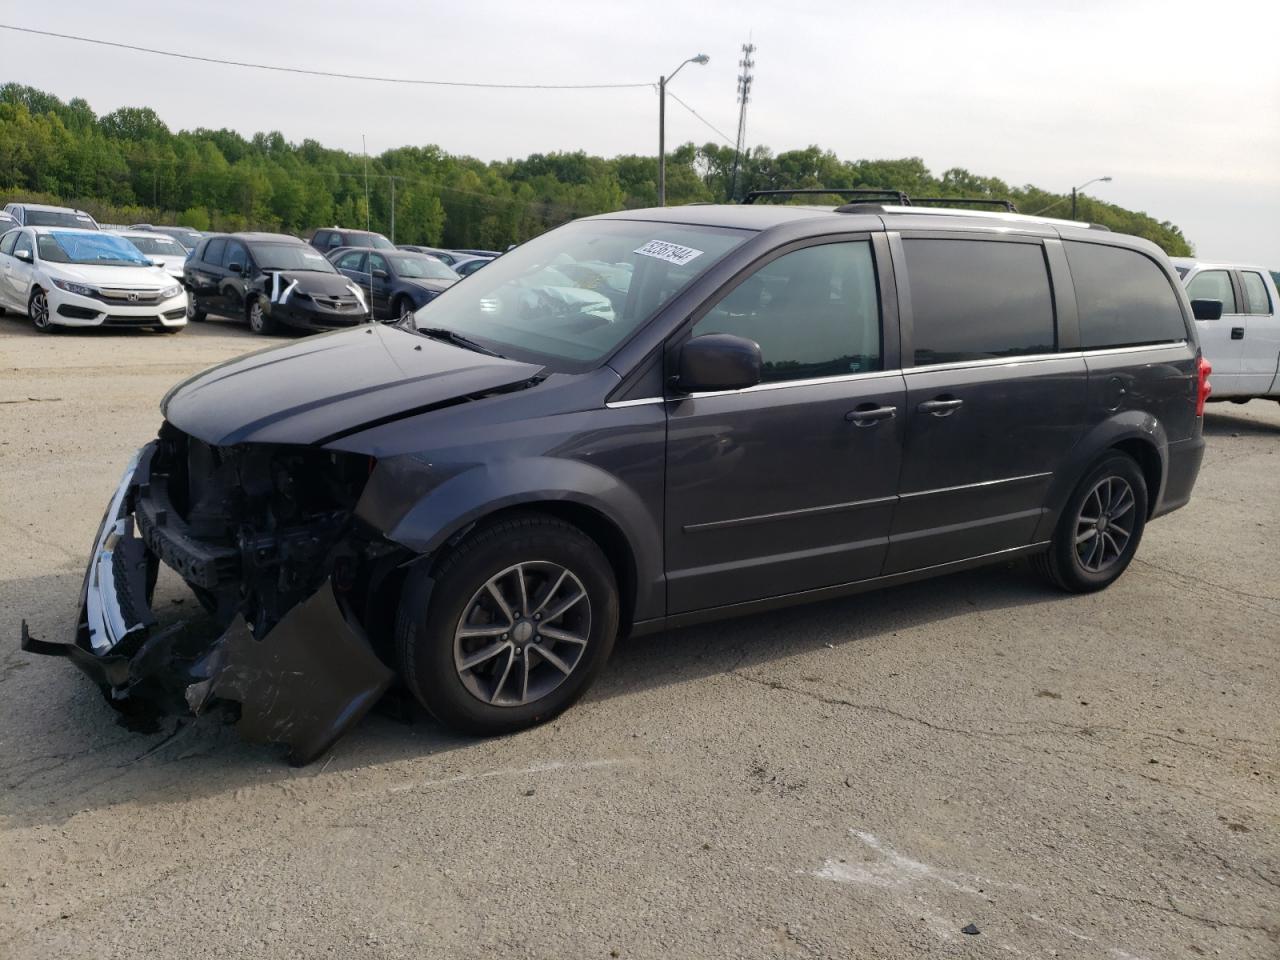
303,684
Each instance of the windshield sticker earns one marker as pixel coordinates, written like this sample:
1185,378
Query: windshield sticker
670,252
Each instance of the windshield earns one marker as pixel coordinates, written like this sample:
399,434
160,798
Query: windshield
576,293
289,256
60,218
188,238
421,268
375,240
100,249
159,246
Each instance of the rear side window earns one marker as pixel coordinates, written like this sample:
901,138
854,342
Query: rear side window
978,299
814,312
1124,298
9,242
1214,285
1255,291
213,251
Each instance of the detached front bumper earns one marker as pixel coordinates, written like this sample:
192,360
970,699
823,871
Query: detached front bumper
303,684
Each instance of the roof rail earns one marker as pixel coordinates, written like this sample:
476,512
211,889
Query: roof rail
964,202
896,195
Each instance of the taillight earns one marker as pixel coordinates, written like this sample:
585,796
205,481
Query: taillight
1204,388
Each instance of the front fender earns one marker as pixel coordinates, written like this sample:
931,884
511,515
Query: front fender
421,509
1123,426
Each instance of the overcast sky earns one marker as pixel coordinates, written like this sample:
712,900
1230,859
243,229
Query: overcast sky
1179,102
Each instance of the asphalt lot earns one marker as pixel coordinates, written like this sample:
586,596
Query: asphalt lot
1084,777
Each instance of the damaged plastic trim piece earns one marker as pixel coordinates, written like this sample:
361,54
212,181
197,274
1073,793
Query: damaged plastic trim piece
302,684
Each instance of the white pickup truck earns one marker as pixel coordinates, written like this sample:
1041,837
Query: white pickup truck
1244,345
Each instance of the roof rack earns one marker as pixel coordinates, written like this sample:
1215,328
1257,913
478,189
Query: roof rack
896,195
964,202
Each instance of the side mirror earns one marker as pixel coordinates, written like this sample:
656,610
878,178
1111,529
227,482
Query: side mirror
24,256
381,274
235,268
1206,309
718,361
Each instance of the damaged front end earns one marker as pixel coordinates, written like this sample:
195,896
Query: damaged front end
266,538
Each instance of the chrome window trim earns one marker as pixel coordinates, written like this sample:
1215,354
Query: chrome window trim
877,374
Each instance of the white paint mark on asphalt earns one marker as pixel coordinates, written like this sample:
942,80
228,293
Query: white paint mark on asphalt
548,766
891,870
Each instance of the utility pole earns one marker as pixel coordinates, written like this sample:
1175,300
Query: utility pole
1076,190
744,95
662,141
393,208
365,147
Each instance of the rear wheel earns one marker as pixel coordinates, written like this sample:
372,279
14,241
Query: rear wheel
520,620
259,320
38,311
1100,527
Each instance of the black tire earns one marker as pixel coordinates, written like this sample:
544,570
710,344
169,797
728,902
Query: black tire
398,310
426,625
194,313
1067,563
260,322
38,311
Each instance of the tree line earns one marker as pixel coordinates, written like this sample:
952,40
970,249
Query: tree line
127,166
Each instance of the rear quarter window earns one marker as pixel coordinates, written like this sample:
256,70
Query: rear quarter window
978,299
1123,296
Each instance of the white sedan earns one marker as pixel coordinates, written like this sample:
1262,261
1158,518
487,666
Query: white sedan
162,250
60,276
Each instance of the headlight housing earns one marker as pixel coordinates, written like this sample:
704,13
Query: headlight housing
80,289
169,292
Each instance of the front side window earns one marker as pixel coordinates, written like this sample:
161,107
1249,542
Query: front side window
572,295
1123,297
376,262
234,253
99,249
978,300
814,312
1214,285
1255,291
350,261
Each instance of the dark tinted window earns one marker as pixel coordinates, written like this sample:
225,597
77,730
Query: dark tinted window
814,313
235,253
1255,291
1214,285
350,261
213,251
377,262
978,299
1124,298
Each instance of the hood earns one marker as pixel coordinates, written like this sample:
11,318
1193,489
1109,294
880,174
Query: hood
171,265
426,283
315,389
311,281
110,276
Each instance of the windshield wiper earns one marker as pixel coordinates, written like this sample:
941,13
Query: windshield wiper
452,336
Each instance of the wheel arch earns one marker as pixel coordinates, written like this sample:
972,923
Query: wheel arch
1135,433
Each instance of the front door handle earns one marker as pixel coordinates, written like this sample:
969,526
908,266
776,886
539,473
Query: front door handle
1237,333
940,408
867,414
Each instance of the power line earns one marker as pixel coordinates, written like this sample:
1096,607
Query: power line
700,117
324,73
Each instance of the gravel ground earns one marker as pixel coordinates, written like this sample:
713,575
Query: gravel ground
1085,777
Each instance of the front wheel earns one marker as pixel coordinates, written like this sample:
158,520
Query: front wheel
193,310
522,617
38,311
259,321
1100,527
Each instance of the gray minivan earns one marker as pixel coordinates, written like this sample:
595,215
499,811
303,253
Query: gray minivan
634,421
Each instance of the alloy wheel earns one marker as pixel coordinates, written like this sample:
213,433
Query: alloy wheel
522,634
1104,524
255,317
39,310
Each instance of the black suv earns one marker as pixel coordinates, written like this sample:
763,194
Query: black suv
640,420
269,279
330,239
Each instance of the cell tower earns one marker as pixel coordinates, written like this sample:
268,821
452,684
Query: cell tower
744,96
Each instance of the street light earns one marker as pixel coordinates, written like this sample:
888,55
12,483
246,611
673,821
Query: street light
701,60
1075,190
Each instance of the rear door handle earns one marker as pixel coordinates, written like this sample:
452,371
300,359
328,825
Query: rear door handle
1237,333
866,415
940,408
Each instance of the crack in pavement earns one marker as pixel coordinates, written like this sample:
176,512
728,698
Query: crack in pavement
1178,911
1202,582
